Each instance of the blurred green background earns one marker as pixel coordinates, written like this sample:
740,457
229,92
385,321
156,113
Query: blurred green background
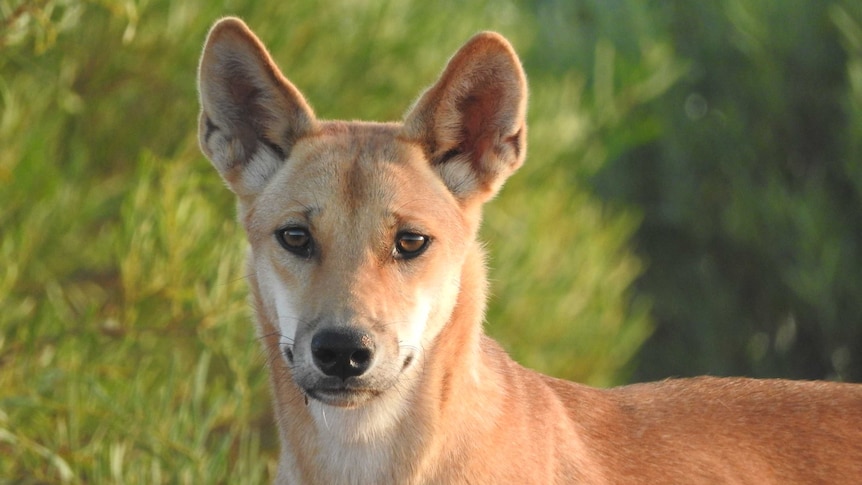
691,204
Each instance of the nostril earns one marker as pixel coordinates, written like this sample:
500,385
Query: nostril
360,357
324,356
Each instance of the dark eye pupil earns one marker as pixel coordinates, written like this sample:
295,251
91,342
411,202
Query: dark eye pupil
410,244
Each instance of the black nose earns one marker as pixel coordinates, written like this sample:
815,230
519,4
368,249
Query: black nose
343,352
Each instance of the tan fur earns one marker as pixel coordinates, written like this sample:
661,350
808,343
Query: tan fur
440,402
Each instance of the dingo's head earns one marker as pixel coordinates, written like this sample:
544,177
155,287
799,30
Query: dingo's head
358,231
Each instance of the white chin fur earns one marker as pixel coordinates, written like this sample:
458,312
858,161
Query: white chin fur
371,422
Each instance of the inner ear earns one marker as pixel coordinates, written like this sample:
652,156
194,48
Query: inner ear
479,111
247,116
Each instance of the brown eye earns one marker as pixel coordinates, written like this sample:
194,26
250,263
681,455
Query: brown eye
296,240
408,245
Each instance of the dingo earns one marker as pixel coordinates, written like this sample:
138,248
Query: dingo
369,288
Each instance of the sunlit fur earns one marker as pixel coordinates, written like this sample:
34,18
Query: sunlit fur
440,402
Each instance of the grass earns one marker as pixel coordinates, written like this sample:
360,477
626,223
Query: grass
127,352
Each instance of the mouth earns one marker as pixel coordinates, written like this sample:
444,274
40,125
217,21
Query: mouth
342,397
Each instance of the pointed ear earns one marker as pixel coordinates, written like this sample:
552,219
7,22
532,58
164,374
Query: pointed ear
471,123
251,115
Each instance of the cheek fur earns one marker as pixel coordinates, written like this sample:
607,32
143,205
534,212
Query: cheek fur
280,301
417,322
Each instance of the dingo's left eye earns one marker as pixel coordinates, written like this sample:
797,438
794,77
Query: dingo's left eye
297,240
408,245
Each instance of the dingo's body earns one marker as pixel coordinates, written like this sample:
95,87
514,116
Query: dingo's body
369,288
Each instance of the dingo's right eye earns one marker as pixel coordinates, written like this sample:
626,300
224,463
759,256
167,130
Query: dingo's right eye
409,245
296,240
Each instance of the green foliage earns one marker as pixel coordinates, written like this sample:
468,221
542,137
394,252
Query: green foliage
135,369
751,195
127,354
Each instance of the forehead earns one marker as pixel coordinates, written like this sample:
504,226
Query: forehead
358,170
